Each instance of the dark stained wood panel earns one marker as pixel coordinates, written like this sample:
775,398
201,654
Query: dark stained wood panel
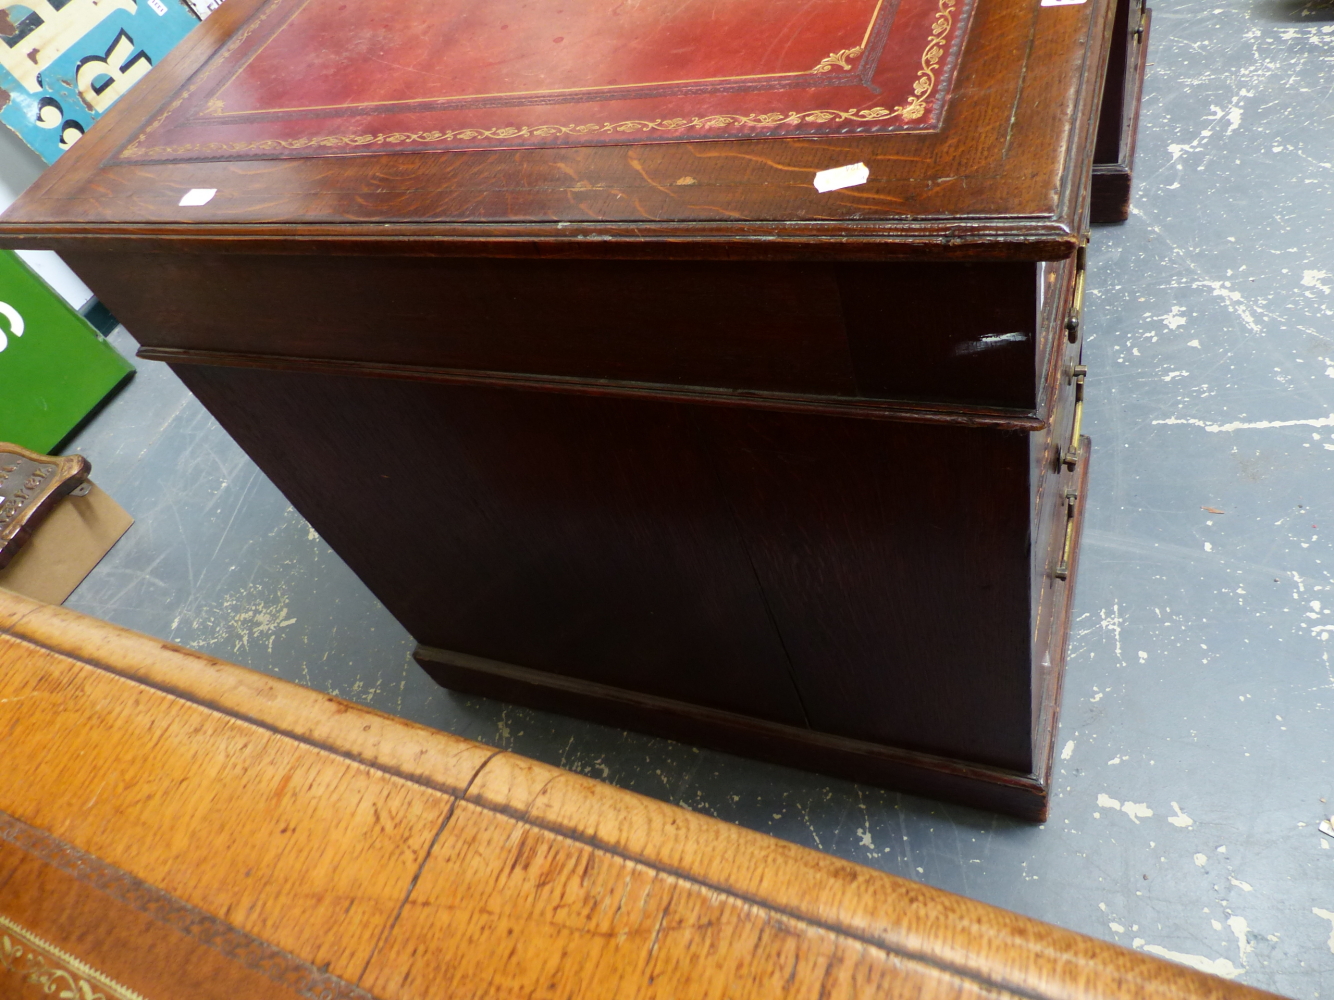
964,334
895,560
609,553
741,323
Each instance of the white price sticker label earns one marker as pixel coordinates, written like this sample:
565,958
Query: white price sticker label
842,177
159,8
197,196
1062,3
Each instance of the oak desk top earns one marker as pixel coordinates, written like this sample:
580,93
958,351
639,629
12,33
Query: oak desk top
542,132
172,825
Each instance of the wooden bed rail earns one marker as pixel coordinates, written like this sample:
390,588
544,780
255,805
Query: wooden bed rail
174,826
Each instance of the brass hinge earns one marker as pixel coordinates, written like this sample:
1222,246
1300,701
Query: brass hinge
1077,298
1070,457
1063,567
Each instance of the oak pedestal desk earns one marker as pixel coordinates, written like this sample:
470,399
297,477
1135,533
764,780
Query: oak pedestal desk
538,317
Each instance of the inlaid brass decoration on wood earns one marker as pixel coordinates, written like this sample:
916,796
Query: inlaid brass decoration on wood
26,956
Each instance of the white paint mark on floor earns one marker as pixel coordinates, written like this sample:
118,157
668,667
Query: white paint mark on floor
1135,810
1235,302
1244,886
1201,860
1068,750
1237,925
1175,318
1254,425
1326,915
1311,279
1180,819
1217,966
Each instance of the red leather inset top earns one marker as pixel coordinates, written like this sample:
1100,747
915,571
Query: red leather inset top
312,77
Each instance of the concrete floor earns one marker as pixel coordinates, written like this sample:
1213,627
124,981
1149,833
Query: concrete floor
1198,727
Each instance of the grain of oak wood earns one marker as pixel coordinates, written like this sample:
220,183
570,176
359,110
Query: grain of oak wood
186,827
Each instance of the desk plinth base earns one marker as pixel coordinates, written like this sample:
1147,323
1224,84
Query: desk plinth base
1021,795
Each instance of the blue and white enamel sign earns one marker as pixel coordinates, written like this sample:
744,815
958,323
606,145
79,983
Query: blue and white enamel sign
64,62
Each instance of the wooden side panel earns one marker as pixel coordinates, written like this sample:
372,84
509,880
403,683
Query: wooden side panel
710,555
894,558
587,537
538,882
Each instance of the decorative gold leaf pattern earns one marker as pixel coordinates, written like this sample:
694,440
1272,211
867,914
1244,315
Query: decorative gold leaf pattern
705,123
935,51
55,973
842,58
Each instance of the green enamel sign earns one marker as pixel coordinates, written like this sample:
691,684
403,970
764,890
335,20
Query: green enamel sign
54,367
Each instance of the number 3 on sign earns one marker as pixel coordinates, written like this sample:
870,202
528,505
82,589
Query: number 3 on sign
15,324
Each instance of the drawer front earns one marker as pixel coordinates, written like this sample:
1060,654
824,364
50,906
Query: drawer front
1059,453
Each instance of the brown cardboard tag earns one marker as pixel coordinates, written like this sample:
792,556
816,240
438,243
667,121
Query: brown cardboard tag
66,546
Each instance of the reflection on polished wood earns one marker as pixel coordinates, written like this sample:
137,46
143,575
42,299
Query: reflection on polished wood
188,828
